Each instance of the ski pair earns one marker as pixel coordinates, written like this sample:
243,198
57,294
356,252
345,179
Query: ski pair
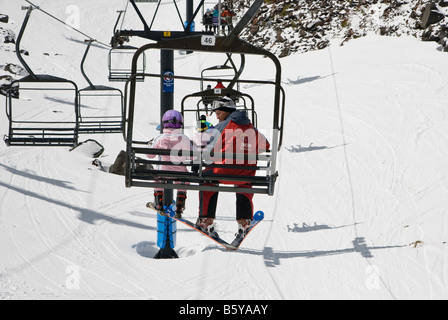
234,245
239,238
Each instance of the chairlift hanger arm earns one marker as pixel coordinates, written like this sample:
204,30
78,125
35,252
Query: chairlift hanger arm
118,20
19,38
89,43
237,72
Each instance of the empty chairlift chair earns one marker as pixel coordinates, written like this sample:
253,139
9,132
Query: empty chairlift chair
101,108
120,60
41,109
44,112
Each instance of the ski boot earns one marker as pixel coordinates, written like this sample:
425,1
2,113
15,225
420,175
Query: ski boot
207,225
243,226
158,202
180,204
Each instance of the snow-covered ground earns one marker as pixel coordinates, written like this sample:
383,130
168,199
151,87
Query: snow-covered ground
360,209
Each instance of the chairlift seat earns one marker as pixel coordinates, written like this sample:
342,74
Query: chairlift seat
104,123
146,176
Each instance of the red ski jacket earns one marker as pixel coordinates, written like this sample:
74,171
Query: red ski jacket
238,136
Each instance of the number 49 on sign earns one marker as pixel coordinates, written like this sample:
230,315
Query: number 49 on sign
208,40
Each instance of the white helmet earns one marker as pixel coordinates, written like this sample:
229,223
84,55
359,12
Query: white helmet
224,104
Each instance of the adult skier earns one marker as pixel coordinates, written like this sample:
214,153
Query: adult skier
234,134
207,20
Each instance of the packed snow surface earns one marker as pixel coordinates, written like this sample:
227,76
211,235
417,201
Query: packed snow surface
360,206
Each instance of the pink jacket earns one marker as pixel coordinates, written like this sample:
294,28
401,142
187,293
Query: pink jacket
172,139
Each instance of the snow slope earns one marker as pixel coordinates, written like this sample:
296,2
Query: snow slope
360,209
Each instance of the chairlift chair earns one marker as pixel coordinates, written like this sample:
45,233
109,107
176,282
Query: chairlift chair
29,122
137,175
119,62
204,98
103,111
36,119
222,72
120,56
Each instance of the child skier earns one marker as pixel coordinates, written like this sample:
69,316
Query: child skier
171,138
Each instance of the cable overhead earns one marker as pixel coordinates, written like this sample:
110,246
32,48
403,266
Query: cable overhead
67,25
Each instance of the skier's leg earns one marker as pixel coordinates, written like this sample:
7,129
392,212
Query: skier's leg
180,202
244,206
244,211
158,199
207,212
208,201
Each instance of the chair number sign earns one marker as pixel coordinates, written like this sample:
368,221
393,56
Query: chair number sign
208,40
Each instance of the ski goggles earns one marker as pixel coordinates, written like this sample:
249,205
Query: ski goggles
219,104
173,121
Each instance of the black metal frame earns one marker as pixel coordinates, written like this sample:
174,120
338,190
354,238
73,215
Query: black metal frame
136,175
139,172
101,124
150,34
